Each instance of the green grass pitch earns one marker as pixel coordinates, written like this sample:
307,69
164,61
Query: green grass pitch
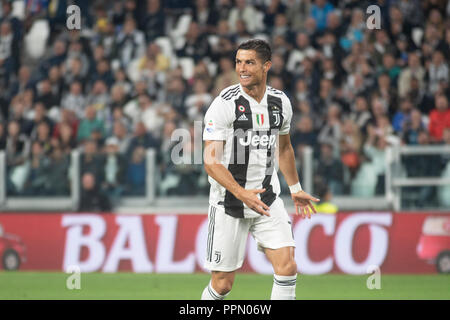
49,285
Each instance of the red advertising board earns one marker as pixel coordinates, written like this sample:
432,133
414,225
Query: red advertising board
348,242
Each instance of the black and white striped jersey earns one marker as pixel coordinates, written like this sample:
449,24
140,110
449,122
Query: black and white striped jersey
250,130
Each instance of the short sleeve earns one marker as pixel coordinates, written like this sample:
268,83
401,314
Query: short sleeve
218,119
287,115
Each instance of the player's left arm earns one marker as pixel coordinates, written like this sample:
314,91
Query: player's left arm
286,161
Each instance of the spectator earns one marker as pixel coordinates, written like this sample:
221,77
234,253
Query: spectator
169,178
91,160
115,167
151,114
56,82
320,10
176,95
206,16
302,93
17,151
439,118
58,181
92,199
278,69
354,32
413,70
130,43
116,115
37,179
196,44
9,53
389,67
387,93
301,50
325,195
330,168
381,45
42,135
334,24
227,75
121,79
65,141
304,135
297,13
56,58
17,145
154,21
89,123
412,127
39,114
189,174
22,82
249,15
68,117
18,109
302,109
331,131
437,71
350,146
7,15
75,99
330,72
141,138
103,73
99,98
402,116
198,102
74,73
272,12
124,9
369,180
136,173
46,96
360,113
120,133
325,97
76,52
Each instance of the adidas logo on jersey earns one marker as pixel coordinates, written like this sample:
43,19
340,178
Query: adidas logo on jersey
242,117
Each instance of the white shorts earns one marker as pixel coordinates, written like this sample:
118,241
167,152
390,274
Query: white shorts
227,236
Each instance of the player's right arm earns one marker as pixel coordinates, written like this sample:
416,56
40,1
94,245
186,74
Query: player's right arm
216,170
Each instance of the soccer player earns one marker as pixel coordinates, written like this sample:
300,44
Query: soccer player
246,129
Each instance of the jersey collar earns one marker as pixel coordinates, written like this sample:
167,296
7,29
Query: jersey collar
251,99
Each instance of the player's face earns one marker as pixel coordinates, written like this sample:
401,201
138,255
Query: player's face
251,70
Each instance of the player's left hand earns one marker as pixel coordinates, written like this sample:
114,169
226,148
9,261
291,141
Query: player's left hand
303,205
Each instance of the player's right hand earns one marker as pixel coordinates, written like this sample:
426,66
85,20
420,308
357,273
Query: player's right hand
250,198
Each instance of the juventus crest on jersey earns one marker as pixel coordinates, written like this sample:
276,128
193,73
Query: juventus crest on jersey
250,130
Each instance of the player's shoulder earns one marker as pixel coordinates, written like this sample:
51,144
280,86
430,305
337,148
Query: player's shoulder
224,102
229,93
276,92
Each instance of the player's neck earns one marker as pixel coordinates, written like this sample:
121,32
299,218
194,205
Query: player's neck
256,92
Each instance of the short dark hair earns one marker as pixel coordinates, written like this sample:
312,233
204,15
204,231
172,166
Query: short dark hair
261,47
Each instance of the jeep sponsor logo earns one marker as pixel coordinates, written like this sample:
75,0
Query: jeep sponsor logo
253,139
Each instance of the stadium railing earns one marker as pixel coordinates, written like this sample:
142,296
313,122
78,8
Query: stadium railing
395,198
70,202
425,191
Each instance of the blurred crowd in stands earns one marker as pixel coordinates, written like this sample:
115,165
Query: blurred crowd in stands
138,70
